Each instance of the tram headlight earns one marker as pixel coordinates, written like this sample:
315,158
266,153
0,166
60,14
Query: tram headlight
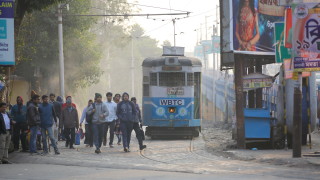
171,109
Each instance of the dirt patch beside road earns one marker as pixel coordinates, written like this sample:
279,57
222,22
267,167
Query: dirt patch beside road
219,142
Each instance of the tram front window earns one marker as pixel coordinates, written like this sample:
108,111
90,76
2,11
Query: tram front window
172,79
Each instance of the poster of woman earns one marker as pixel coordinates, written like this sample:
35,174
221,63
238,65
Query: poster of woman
253,24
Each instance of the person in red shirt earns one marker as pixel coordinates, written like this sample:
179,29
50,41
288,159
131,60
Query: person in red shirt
68,100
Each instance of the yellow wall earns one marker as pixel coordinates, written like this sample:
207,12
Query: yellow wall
19,88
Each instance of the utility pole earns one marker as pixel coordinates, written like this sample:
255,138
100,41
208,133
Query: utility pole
238,78
132,67
297,122
174,32
206,26
61,57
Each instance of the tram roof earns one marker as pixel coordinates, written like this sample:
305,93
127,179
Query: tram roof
160,61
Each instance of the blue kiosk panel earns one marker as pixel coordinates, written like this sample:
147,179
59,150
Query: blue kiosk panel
257,123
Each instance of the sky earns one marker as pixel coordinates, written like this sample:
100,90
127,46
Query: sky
188,29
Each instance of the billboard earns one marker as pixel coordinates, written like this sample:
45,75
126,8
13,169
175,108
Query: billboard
253,25
216,44
7,33
281,51
306,37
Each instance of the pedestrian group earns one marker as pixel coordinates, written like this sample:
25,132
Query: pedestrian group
49,119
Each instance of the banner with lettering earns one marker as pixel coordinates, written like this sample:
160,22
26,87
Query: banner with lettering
306,37
253,25
7,32
216,44
281,51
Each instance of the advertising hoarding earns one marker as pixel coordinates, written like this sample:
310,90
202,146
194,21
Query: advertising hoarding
306,37
7,32
216,44
281,51
253,25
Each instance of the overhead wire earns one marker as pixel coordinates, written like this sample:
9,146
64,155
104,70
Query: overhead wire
156,7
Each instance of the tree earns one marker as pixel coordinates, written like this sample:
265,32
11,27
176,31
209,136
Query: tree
166,43
24,6
38,48
21,8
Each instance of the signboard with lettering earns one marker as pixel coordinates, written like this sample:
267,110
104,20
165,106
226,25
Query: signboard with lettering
281,52
171,102
175,91
7,32
216,44
256,80
306,37
289,72
253,25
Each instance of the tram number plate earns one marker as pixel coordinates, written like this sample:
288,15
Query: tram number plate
172,102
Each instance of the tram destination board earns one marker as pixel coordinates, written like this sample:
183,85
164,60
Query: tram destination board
171,68
175,91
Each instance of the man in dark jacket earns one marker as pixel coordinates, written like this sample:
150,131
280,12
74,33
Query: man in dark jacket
136,127
47,115
5,134
33,118
59,101
19,114
126,113
70,122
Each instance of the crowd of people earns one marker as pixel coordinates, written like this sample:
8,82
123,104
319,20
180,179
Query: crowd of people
49,118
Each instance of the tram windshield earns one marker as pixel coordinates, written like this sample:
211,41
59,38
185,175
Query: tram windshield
172,79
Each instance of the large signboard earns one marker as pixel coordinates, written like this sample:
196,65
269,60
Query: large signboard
253,25
216,44
306,37
256,80
7,32
281,52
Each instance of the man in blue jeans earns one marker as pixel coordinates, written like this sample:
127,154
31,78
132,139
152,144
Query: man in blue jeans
99,112
33,118
126,113
47,115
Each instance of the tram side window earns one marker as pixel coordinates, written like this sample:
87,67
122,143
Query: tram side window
190,79
172,79
153,79
146,91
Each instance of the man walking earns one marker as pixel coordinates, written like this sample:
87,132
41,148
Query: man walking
33,118
126,113
59,101
5,134
57,106
47,115
88,125
70,122
100,112
19,114
117,98
111,120
136,127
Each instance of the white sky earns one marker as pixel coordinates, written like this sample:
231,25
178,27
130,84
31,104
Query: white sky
185,28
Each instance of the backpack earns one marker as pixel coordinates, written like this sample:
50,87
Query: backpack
89,117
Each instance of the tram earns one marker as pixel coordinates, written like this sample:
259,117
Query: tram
172,94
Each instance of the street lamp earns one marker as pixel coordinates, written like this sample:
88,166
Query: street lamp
61,57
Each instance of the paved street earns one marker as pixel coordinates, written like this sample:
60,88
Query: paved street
171,159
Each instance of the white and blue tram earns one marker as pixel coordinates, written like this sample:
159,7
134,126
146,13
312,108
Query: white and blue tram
172,94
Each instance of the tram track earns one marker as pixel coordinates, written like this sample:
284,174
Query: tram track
197,154
189,153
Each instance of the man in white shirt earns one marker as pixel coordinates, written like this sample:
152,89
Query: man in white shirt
5,134
110,120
